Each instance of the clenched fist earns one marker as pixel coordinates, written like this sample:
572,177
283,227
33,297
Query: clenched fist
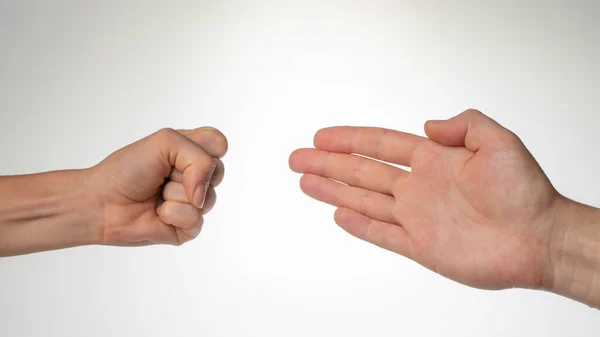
157,190
154,191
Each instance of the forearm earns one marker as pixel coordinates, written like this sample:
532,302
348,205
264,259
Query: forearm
45,211
575,253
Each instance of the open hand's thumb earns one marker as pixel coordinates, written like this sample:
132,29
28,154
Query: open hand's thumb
470,129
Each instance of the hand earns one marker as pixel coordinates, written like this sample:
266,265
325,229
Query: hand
474,207
156,190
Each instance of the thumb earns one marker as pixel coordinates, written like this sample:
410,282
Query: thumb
471,129
182,154
209,139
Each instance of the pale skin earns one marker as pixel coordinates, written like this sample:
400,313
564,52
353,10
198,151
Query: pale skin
472,204
154,191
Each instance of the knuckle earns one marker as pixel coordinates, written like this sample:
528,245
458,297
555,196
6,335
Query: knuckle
473,112
329,162
363,202
379,147
358,175
165,133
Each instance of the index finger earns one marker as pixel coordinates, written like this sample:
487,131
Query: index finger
379,143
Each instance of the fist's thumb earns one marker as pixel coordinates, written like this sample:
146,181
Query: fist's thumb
470,129
209,139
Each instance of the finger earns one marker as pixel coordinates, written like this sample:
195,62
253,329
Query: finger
208,138
372,204
175,192
382,234
187,235
181,215
383,144
215,181
349,169
187,157
185,218
211,200
218,175
471,129
177,176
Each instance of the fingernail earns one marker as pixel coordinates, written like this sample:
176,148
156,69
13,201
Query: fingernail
212,171
199,196
202,190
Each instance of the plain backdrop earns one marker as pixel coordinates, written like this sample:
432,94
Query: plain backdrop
80,79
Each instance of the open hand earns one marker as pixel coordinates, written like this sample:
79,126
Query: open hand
474,206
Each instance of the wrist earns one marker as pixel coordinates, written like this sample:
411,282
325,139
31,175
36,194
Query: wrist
80,210
574,253
89,208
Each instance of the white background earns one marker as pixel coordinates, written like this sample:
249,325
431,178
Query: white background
80,79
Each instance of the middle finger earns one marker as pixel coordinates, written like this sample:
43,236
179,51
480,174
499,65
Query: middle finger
174,191
347,168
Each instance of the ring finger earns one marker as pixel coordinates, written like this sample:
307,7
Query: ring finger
372,204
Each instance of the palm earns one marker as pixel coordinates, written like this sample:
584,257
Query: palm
473,208
455,225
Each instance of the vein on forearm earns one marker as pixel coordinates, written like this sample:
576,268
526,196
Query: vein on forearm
43,211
